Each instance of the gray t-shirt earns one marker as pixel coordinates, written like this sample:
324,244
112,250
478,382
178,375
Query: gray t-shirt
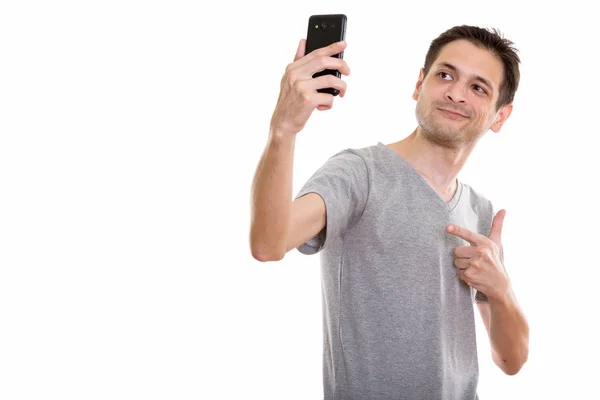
398,323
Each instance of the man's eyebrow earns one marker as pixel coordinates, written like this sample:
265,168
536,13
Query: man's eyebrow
477,77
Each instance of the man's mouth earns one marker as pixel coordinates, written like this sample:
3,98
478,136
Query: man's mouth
452,113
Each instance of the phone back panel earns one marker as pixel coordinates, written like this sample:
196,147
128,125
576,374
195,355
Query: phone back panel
324,30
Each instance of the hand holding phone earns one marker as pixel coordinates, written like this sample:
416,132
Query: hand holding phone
300,93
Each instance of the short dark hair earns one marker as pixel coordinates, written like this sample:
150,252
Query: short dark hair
489,39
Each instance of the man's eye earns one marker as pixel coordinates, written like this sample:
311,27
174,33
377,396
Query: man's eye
441,74
479,89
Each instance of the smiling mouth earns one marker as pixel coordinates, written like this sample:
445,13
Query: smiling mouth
452,113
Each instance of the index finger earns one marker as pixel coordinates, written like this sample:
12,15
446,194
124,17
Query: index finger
301,50
463,233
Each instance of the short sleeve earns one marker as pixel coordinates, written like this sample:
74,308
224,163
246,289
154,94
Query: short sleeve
343,184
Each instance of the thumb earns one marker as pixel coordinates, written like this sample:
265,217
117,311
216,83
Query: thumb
301,49
496,230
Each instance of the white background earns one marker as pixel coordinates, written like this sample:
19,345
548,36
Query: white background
129,134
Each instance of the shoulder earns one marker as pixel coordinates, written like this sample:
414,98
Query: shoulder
353,159
366,157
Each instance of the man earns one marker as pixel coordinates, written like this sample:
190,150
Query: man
406,248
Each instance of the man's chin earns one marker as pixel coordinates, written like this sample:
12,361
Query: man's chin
444,137
441,131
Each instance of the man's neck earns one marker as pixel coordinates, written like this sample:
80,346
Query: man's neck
438,165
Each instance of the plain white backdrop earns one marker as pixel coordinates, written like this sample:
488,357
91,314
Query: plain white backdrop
129,134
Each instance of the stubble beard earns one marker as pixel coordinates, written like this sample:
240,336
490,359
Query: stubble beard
443,135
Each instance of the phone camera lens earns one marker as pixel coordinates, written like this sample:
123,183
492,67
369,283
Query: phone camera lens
324,26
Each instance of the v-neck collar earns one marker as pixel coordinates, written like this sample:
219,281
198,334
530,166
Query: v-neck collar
459,186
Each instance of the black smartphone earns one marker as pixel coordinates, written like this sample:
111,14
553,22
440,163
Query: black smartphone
324,30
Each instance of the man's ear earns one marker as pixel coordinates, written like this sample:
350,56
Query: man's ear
415,95
501,118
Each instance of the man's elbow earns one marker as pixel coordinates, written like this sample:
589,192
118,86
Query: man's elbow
512,370
265,253
265,248
514,367
266,257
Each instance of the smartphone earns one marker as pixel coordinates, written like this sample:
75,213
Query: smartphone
324,30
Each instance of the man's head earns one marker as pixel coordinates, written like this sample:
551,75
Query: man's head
473,72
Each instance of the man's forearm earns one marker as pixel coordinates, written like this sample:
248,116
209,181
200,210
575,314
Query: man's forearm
509,333
272,198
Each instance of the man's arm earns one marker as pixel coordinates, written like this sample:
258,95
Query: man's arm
481,266
278,224
508,331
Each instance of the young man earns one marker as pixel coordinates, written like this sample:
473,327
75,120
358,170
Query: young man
406,248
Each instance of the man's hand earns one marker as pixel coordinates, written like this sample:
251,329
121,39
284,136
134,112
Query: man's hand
298,95
480,265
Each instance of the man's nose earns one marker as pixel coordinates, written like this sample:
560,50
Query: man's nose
456,94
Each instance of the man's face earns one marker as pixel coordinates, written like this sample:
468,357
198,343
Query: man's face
456,103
